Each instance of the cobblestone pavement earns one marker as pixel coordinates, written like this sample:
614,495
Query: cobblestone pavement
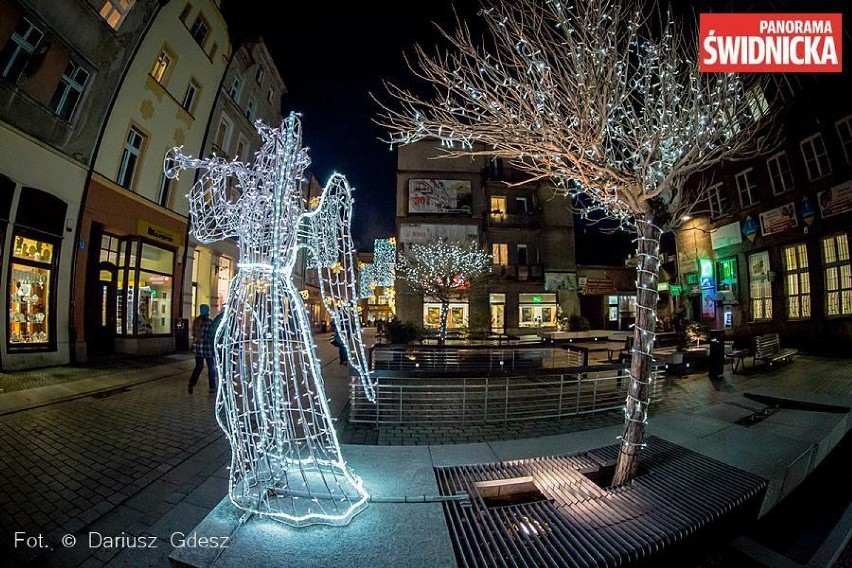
147,462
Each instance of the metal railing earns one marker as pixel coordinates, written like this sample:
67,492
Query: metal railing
470,398
478,360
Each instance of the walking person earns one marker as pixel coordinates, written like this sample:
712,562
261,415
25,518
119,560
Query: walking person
202,345
341,346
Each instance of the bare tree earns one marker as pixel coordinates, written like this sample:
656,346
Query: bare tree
604,100
442,270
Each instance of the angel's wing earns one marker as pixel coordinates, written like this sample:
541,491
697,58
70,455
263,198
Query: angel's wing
324,233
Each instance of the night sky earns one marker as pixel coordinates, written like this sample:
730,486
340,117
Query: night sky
331,59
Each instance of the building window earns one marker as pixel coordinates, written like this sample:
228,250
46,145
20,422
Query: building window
190,96
270,95
250,110
537,310
130,157
69,91
184,15
746,187
498,208
726,271
522,254
521,206
31,324
844,131
223,135
838,275
259,75
499,254
760,287
780,175
758,106
199,30
164,190
716,196
242,149
161,66
145,290
456,317
19,48
797,280
816,157
497,303
114,11
236,89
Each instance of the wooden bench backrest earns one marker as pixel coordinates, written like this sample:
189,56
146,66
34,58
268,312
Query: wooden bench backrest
765,345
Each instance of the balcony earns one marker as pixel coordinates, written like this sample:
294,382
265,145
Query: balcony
519,272
514,220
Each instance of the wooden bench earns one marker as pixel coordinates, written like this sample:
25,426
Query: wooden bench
767,348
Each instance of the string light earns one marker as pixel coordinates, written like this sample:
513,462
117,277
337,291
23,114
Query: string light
286,461
442,269
604,103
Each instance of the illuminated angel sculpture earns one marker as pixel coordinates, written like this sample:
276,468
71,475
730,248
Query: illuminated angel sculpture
286,461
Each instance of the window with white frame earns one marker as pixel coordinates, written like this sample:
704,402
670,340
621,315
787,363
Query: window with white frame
242,149
18,49
718,202
522,254
746,187
223,135
69,91
270,95
259,75
499,254
797,281
236,89
130,157
163,193
199,30
780,174
250,108
760,288
844,132
114,11
161,66
838,275
758,106
816,157
190,96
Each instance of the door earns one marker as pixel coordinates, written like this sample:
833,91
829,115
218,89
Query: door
103,338
498,322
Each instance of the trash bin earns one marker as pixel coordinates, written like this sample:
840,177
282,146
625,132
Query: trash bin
182,335
716,362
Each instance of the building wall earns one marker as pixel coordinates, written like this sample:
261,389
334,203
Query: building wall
543,225
777,219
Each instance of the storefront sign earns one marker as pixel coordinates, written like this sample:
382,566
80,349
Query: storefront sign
452,196
836,200
779,219
675,290
597,286
726,236
750,228
152,231
806,211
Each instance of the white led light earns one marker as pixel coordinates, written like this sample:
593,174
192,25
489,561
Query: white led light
286,461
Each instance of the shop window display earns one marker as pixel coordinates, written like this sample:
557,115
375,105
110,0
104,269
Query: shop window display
29,293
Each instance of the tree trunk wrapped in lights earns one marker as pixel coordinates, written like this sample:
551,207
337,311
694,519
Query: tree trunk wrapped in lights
286,461
441,270
607,104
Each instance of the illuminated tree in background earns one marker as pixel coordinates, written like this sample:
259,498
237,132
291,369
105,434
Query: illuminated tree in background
380,272
441,270
605,103
286,461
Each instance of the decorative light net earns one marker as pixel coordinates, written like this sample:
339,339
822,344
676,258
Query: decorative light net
286,460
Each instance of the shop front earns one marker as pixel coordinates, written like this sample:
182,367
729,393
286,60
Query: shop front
130,294
33,225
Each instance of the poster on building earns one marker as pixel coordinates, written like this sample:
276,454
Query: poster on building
708,303
726,236
836,200
423,233
565,281
779,219
441,196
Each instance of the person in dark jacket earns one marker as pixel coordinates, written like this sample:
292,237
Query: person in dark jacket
202,346
341,348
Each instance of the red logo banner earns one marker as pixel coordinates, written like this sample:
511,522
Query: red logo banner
754,43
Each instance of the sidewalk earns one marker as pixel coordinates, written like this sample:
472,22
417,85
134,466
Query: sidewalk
813,395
